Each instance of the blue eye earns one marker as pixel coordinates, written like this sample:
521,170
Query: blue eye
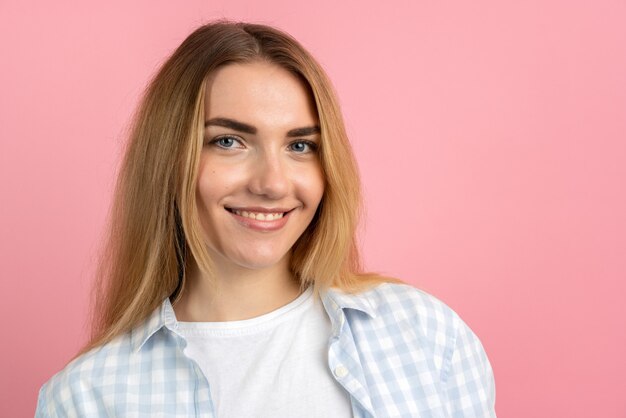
302,147
225,142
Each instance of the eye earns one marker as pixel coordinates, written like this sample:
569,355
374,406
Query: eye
226,142
302,147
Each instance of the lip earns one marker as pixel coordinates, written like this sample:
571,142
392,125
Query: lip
258,225
258,209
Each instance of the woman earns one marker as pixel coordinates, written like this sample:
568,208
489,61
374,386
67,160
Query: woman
231,285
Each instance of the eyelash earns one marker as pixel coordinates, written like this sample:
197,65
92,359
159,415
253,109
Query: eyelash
219,138
312,145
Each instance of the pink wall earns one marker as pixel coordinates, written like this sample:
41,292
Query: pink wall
491,138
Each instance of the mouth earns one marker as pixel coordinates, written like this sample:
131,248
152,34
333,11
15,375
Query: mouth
260,214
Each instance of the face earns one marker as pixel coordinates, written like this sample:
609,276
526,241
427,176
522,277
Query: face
260,179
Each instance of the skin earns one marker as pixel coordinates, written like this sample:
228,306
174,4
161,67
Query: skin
274,167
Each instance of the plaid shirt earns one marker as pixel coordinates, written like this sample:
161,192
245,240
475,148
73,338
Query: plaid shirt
398,351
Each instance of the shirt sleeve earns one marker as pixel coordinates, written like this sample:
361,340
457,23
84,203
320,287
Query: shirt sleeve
50,402
41,411
470,385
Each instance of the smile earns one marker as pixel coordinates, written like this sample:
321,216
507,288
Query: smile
258,215
261,219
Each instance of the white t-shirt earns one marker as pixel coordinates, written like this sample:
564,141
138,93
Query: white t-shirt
274,365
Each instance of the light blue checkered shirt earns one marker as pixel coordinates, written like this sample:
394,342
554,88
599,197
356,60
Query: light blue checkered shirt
398,351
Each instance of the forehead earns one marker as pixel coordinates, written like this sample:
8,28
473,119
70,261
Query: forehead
259,93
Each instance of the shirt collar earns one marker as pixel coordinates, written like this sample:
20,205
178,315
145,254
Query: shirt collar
335,302
161,317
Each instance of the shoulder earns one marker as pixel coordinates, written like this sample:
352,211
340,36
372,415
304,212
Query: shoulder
405,315
437,349
434,319
92,383
420,321
400,311
403,302
405,296
72,391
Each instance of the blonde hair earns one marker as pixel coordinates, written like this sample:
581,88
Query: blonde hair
154,229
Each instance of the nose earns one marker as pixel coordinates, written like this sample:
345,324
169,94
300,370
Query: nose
269,177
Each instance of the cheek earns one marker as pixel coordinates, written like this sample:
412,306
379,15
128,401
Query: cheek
213,183
205,189
311,185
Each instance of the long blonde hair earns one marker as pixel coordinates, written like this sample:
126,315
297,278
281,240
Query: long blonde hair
154,229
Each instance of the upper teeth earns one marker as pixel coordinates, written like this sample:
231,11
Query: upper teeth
259,216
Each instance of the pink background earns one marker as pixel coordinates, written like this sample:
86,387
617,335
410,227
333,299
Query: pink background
491,137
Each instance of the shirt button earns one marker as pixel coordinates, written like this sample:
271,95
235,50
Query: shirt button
341,371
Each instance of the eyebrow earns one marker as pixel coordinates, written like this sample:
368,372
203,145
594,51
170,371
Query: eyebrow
309,130
232,124
249,129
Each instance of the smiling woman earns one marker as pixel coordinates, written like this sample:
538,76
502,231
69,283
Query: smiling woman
259,185
231,285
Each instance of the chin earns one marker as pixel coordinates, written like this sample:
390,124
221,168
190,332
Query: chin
259,261
256,264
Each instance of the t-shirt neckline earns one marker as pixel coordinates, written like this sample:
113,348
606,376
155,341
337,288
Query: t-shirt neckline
257,323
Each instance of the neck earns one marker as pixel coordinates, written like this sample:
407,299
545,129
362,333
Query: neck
238,294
